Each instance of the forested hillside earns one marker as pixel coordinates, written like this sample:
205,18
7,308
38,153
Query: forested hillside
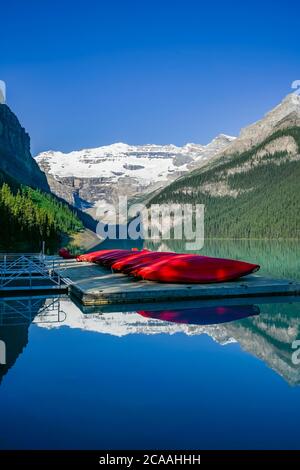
29,216
254,194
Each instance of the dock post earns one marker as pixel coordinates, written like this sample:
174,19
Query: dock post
30,275
43,252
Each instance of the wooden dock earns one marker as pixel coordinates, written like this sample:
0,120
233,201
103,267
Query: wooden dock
94,285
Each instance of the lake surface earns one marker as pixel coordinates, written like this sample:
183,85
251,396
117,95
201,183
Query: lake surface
191,375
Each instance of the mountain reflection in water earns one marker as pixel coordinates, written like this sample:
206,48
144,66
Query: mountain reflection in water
16,316
267,331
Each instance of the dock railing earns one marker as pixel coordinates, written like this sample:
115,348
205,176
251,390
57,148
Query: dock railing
28,270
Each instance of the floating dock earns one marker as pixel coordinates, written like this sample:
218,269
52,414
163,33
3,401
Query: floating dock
186,304
94,285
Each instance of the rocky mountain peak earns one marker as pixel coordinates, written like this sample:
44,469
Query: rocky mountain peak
285,114
291,100
223,138
15,156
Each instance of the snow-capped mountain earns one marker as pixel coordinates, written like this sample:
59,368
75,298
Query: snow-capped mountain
87,176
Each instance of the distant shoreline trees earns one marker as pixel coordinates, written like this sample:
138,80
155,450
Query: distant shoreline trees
29,216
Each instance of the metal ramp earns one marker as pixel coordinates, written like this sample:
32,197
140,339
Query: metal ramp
28,273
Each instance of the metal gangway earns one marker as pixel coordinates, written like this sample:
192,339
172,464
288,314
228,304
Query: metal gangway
29,271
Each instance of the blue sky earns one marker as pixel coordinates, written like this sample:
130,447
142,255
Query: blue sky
84,74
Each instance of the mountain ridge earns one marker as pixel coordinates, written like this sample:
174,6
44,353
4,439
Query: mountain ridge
104,173
15,155
250,190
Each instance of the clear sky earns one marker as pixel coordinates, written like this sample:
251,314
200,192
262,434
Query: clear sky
90,73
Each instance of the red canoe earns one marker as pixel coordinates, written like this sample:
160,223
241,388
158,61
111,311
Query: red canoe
119,264
136,267
111,254
195,269
109,258
144,259
64,253
93,256
101,255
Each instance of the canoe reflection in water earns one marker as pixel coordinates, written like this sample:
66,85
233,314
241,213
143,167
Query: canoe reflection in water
204,315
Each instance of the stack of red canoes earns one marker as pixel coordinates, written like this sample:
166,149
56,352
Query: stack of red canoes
167,266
